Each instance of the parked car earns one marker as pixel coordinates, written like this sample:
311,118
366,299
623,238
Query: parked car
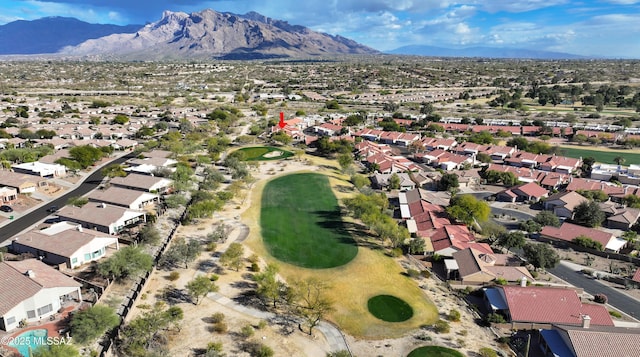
5,208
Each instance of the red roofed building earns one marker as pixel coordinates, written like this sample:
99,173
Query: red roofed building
524,306
525,192
568,231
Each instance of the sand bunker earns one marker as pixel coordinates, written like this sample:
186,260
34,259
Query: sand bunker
272,154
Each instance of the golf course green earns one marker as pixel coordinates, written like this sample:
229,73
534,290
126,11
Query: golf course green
389,308
302,224
261,153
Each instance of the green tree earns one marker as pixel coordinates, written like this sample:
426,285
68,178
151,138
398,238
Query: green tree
148,234
145,334
587,242
269,287
115,170
448,181
59,350
233,256
540,255
181,252
394,181
87,325
77,201
120,119
359,181
547,218
619,160
200,286
311,302
513,239
126,262
588,214
632,201
282,138
468,210
86,155
345,161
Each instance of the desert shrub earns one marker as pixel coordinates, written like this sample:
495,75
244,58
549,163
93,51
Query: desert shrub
454,315
463,332
217,317
534,274
495,318
615,314
174,276
214,277
461,342
254,267
214,347
261,325
425,274
412,273
211,246
488,352
501,281
442,326
220,327
396,252
600,298
246,331
253,258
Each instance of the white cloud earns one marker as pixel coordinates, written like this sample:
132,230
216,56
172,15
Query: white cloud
493,6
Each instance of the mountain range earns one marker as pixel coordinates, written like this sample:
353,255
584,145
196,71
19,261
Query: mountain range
200,35
209,35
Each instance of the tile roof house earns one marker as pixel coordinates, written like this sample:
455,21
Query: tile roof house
451,238
22,182
144,183
524,306
380,181
475,267
65,243
102,217
568,231
563,203
593,341
31,290
623,218
124,197
530,191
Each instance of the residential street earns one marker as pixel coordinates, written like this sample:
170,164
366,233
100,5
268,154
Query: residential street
33,216
617,298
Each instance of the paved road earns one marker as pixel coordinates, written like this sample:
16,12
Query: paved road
28,219
617,298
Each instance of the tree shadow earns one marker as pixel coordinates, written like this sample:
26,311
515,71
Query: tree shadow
286,323
206,265
173,296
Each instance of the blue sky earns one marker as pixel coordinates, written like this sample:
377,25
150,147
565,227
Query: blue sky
608,28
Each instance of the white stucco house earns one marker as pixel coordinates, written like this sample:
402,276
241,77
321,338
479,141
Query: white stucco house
65,243
30,290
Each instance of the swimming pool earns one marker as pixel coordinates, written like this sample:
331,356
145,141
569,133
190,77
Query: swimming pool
29,339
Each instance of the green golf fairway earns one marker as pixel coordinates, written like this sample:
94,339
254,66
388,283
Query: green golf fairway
302,224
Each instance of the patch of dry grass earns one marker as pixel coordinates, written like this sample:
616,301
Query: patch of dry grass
370,273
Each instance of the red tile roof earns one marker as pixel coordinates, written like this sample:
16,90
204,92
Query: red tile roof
568,231
552,305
